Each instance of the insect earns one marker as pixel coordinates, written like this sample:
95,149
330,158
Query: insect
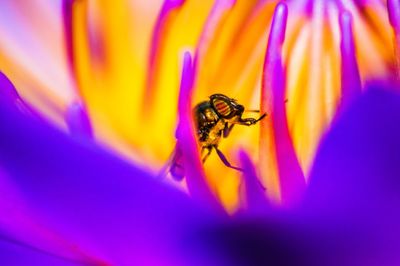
214,119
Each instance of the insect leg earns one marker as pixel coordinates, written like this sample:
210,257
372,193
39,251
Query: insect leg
225,161
227,129
209,149
249,121
261,117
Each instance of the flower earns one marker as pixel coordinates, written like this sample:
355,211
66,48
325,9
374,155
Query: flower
121,64
78,198
60,206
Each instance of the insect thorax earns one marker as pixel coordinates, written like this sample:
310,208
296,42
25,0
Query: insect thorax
209,124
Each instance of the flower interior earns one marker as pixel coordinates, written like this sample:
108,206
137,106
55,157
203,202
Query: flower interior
114,71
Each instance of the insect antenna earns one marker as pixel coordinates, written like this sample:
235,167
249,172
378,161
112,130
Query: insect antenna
256,111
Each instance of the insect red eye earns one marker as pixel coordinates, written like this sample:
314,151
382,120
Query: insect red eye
222,107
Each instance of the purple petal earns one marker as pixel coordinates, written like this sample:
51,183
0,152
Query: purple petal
195,176
78,121
350,75
10,96
255,199
67,6
20,227
160,32
8,93
394,14
106,207
351,214
393,7
13,253
292,182
359,158
355,182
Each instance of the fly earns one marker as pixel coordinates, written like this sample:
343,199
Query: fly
214,119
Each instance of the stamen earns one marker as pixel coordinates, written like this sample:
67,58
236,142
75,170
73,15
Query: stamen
78,121
159,33
185,134
350,75
67,19
214,19
394,18
241,49
255,198
275,137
